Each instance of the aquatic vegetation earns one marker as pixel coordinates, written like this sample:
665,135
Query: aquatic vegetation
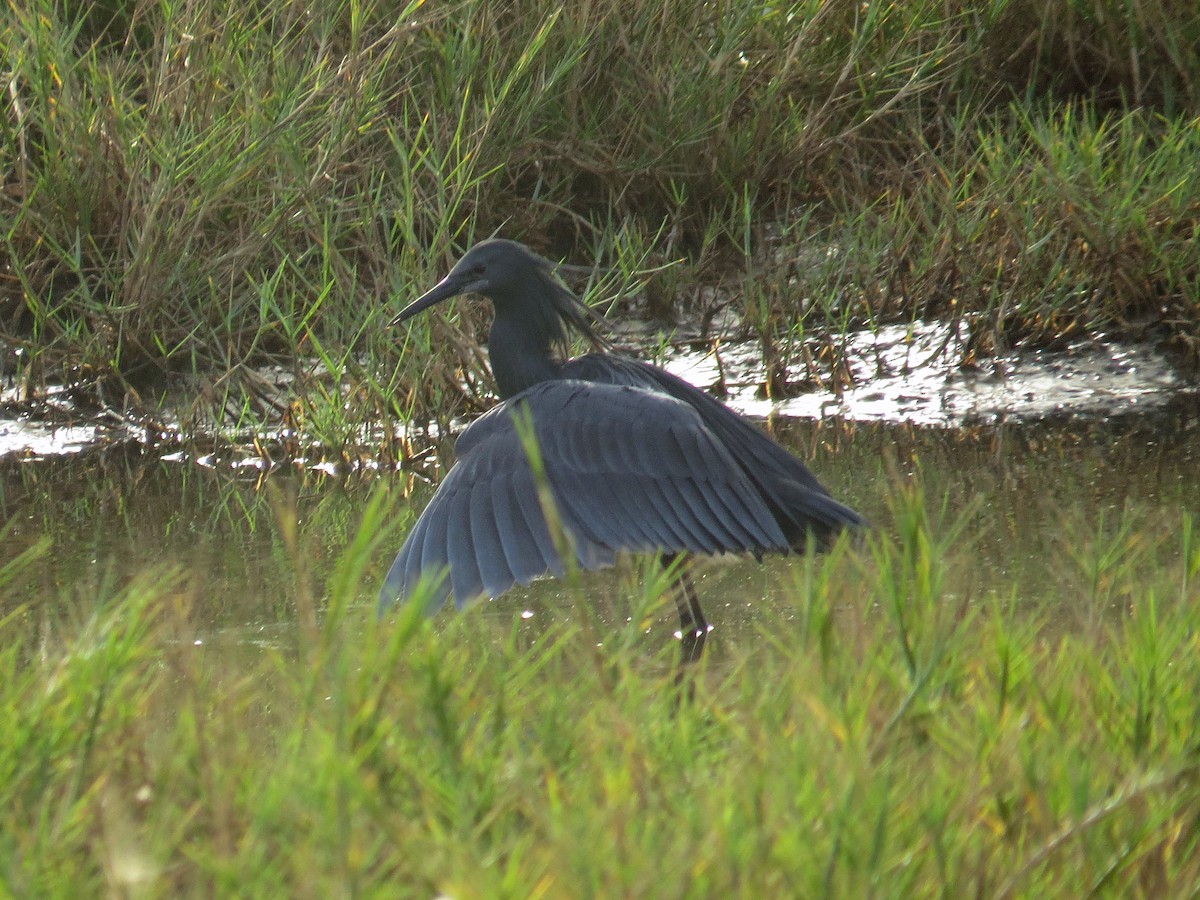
895,718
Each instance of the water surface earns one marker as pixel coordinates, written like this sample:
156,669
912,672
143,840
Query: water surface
1026,496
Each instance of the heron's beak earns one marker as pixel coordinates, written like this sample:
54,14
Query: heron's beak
451,286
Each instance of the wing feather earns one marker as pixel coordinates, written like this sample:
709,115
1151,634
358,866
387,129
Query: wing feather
629,469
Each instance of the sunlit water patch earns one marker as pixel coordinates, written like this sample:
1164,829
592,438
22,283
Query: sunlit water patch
43,439
900,373
52,425
911,374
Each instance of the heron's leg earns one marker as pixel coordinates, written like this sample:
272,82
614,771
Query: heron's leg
693,629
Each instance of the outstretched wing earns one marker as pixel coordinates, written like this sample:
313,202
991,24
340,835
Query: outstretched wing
623,468
796,499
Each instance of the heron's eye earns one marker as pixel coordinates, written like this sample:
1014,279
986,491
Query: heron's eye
478,269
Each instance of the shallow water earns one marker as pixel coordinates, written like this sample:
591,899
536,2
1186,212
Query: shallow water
915,373
1020,489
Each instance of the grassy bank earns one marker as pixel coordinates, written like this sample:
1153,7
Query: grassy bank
894,726
193,189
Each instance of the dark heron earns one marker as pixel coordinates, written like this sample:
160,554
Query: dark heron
635,459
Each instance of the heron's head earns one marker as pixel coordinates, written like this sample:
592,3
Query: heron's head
518,282
495,268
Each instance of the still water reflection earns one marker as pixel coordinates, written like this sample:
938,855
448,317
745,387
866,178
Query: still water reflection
1017,490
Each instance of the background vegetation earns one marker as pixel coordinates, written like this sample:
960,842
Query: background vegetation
191,189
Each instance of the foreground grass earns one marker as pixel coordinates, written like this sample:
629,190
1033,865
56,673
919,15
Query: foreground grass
194,189
888,730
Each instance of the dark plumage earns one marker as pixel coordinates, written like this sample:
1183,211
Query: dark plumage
635,458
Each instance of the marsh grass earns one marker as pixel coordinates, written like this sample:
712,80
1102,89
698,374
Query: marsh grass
889,725
204,189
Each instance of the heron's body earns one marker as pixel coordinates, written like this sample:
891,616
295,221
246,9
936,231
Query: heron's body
635,458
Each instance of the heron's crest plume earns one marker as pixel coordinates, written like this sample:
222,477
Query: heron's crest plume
560,310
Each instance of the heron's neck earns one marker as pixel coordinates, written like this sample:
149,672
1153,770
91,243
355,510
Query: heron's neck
520,354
